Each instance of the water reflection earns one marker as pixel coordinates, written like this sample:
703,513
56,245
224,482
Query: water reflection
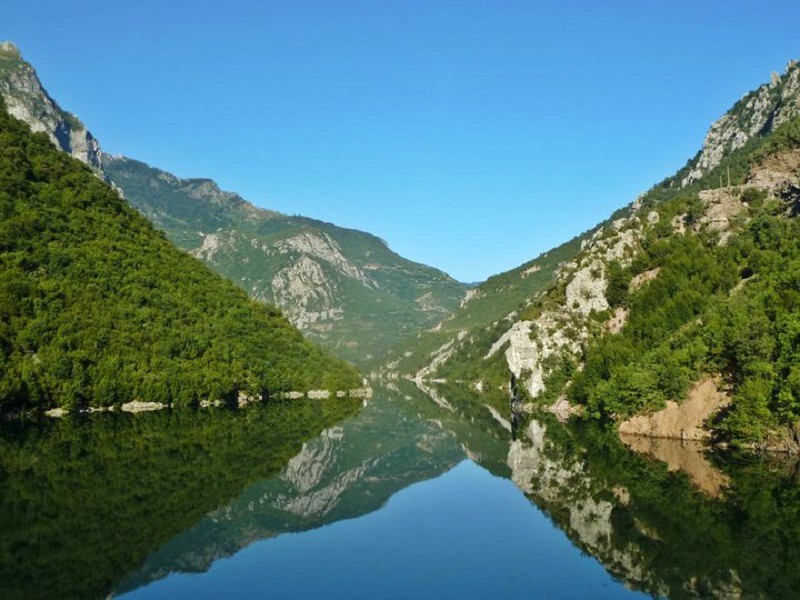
671,521
685,456
85,501
118,503
352,469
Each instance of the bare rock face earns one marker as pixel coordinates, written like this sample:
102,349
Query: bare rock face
136,406
531,343
586,290
303,290
307,288
212,244
323,247
756,113
777,173
28,101
683,421
560,331
721,208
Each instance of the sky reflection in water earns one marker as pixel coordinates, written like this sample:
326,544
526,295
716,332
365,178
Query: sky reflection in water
465,534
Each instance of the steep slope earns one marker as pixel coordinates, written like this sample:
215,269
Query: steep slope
694,278
28,101
342,287
484,314
757,114
96,307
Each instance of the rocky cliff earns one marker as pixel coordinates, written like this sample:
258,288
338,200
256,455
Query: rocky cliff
28,101
757,114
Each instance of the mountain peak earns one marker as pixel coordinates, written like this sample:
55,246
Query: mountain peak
27,100
10,49
756,114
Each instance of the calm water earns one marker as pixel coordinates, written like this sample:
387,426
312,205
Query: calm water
409,497
463,534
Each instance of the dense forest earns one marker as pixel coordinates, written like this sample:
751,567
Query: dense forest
98,308
364,299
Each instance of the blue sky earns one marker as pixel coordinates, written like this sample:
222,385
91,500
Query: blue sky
471,136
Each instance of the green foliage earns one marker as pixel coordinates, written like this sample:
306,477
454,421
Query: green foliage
97,308
484,317
688,320
753,196
408,298
618,281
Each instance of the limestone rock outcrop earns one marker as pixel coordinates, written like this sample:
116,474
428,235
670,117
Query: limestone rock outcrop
27,100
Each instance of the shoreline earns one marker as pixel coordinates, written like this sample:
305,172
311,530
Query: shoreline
136,406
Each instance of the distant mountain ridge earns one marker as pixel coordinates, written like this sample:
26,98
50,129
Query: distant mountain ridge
343,288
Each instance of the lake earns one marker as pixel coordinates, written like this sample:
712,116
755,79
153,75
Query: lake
409,496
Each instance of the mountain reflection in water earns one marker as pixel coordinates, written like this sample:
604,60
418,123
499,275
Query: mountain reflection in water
409,497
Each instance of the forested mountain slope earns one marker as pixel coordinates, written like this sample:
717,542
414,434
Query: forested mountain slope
98,308
341,287
697,278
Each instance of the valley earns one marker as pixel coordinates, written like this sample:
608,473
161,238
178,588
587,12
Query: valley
200,396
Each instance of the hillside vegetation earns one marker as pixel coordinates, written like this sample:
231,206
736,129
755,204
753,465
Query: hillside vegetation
731,308
98,308
696,279
343,288
482,316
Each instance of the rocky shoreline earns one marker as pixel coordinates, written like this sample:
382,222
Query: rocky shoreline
689,422
136,406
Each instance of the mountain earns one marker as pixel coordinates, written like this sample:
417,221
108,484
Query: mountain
689,288
343,288
27,100
98,308
484,313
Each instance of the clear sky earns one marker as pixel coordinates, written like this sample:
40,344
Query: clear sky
471,136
